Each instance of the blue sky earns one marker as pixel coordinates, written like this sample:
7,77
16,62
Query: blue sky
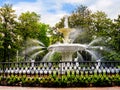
52,10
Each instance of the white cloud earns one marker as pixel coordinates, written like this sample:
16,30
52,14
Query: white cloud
74,1
43,7
110,7
25,6
51,18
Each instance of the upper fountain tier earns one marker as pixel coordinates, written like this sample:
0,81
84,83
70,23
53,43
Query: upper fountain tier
65,31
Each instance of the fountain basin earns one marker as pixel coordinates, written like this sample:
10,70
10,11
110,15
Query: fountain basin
66,50
66,47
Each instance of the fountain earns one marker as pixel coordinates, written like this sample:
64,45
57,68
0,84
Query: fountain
66,48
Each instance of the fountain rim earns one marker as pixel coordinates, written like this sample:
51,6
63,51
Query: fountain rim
73,47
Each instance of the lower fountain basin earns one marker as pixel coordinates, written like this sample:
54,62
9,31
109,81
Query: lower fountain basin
66,50
66,47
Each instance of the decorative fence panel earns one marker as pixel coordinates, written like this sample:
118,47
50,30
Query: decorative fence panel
59,68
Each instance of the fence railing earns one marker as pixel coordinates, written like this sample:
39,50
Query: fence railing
59,68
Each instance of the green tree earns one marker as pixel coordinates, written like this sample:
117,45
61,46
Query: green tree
116,34
28,26
42,41
8,31
105,27
114,41
81,17
43,34
55,36
101,24
44,37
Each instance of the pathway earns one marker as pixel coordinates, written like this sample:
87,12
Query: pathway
40,88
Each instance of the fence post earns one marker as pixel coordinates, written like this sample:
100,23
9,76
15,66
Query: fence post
3,64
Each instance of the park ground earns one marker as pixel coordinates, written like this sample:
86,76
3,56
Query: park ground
42,88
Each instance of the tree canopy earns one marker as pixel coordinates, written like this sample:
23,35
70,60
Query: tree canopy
14,32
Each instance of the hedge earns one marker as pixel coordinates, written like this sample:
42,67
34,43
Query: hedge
62,81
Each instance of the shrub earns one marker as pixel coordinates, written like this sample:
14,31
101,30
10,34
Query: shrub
63,80
13,80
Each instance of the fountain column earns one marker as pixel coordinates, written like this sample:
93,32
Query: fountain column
67,56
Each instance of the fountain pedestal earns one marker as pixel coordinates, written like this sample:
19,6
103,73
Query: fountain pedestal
67,56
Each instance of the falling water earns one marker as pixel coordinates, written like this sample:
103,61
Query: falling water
99,62
79,56
35,54
95,41
92,54
87,47
95,47
48,56
31,49
37,41
34,46
51,54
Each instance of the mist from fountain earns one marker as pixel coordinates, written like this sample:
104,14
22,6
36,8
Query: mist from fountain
30,49
35,47
94,56
74,34
48,56
94,41
35,54
79,56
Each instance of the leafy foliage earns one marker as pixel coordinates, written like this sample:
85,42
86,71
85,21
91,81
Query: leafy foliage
63,81
29,24
8,31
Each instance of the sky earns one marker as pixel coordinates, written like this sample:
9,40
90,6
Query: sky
51,11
